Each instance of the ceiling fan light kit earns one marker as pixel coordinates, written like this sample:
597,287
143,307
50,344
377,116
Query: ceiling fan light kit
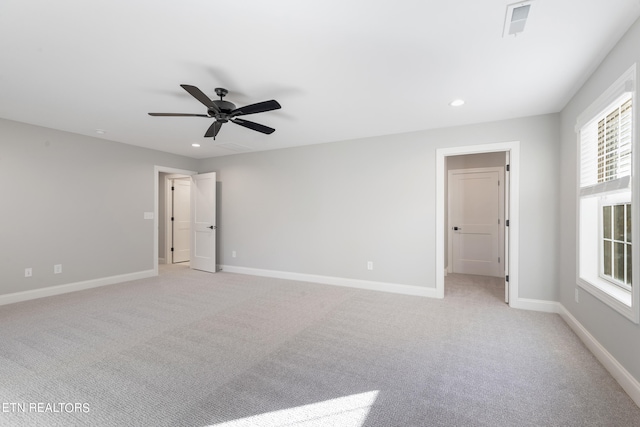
224,111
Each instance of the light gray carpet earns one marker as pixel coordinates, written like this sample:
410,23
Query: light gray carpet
195,349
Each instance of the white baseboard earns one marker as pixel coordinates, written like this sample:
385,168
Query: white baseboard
72,287
617,371
535,305
630,385
337,281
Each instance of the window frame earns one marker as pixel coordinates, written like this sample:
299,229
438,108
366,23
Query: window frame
624,301
620,199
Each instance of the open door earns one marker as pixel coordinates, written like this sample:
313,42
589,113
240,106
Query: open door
203,222
507,189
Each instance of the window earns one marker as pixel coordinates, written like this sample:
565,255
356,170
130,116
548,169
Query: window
605,198
616,245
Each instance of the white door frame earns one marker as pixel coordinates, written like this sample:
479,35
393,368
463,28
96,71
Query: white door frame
156,179
513,148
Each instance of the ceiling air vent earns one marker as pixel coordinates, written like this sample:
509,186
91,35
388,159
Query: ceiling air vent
516,18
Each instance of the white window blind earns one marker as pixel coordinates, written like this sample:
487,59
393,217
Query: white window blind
605,150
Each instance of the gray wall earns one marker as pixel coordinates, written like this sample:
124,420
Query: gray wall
77,201
617,334
328,209
471,161
324,209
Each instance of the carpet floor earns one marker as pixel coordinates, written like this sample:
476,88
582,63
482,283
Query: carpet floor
189,348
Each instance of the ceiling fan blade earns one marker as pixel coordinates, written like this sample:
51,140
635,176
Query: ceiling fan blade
256,108
254,126
177,115
200,96
213,130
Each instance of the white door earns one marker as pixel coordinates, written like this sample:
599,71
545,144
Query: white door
475,219
203,222
507,189
181,223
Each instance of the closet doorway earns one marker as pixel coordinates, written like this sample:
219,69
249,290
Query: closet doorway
202,235
177,218
180,220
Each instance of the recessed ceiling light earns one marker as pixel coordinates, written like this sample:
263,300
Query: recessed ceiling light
101,131
195,144
456,103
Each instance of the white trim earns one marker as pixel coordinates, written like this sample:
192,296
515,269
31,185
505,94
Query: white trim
612,295
72,287
441,170
506,207
629,384
336,281
624,84
156,174
605,188
535,305
513,147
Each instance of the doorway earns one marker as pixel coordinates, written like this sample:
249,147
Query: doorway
510,151
179,220
475,221
202,213
174,218
162,176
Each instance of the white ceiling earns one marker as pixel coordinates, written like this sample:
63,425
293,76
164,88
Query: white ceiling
342,69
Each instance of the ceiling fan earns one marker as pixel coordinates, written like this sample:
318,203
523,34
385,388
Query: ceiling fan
224,111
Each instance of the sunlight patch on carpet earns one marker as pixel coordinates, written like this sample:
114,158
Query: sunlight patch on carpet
348,411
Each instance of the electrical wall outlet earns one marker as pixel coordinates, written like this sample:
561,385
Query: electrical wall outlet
370,265
57,269
28,272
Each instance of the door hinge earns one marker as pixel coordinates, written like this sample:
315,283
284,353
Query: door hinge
508,168
171,249
498,260
171,218
507,278
173,188
506,223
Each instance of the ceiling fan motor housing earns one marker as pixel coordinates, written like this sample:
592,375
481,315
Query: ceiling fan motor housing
225,108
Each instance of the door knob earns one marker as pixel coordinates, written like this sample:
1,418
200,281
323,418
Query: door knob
212,227
457,228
